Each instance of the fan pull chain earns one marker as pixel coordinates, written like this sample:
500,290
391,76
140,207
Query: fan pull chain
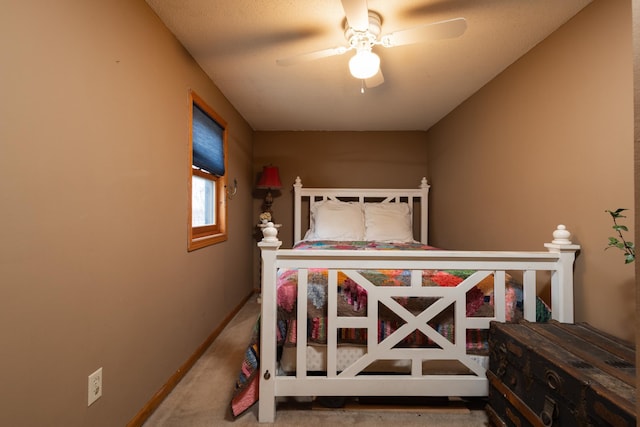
362,87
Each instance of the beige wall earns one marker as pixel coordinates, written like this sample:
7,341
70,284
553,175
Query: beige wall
549,141
338,159
94,270
636,104
335,159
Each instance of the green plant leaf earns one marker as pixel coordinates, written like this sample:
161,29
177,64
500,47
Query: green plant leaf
617,213
619,242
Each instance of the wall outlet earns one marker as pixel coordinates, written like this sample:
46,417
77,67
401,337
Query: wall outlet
95,386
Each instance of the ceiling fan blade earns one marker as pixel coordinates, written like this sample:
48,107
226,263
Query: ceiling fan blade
357,13
448,29
374,81
311,56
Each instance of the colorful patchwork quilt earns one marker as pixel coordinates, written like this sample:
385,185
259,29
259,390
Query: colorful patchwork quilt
352,301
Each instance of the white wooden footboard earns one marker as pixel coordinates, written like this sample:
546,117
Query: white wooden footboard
558,260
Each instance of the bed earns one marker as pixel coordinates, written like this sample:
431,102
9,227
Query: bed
360,308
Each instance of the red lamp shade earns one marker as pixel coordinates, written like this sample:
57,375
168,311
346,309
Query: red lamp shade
270,178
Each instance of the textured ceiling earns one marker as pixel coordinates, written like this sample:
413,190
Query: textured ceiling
237,43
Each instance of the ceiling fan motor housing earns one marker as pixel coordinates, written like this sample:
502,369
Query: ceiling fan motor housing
364,39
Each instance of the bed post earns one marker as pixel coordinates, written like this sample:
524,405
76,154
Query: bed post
269,247
297,213
424,211
562,277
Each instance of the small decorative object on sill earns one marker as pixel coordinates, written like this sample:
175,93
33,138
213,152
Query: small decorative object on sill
265,217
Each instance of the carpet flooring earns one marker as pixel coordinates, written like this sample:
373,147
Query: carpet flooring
202,398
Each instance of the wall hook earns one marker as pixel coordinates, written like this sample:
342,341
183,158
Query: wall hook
233,190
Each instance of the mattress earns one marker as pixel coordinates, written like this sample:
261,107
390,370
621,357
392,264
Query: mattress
347,355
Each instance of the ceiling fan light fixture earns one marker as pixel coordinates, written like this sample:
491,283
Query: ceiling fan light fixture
364,64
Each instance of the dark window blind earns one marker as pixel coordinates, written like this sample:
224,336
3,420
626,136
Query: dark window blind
208,144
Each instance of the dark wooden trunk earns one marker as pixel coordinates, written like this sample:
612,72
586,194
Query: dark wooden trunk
543,374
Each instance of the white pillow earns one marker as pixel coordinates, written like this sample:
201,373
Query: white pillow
335,220
388,222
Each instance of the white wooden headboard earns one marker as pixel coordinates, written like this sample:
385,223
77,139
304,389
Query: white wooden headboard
382,195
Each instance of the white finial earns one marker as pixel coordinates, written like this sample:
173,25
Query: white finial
269,233
424,183
561,236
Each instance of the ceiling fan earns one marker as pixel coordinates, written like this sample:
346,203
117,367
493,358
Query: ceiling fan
363,29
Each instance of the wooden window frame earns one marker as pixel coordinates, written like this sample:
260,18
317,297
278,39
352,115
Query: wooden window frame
203,236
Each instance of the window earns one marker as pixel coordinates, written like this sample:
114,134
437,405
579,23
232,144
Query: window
208,151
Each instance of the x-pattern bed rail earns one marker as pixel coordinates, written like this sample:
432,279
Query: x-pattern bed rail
386,295
557,261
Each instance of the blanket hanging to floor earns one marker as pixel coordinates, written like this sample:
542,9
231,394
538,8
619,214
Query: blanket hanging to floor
246,389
